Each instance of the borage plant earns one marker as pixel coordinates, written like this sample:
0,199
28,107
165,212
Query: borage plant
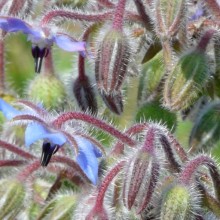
103,146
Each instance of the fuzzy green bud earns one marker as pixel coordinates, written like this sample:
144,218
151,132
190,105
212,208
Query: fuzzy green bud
12,195
206,129
49,90
186,80
151,76
177,203
59,208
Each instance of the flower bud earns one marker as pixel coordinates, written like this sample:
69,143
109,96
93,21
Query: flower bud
140,179
113,102
178,202
185,81
61,207
112,61
151,76
12,195
85,95
206,129
47,89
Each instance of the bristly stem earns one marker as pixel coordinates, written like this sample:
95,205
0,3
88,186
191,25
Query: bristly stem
106,3
17,150
107,180
135,129
60,120
205,39
2,66
146,19
214,7
16,7
118,16
28,170
98,209
81,67
12,163
76,15
174,165
48,65
149,144
192,166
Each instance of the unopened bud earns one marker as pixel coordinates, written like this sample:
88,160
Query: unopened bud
152,73
140,180
85,95
12,196
206,128
113,102
112,61
178,202
49,90
61,207
185,81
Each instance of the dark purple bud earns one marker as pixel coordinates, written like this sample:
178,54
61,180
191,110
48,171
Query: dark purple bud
39,54
113,102
85,95
48,149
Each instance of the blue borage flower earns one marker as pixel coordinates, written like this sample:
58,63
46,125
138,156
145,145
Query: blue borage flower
42,39
88,152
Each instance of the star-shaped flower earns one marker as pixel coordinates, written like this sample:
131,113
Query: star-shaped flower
53,140
42,38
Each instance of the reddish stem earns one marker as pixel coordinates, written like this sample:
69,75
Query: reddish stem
118,16
16,7
81,68
192,166
72,164
98,17
106,3
28,170
17,150
149,144
214,7
205,39
48,64
135,129
12,163
93,121
104,185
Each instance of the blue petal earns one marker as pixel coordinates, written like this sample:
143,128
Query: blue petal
36,131
8,111
87,159
11,24
68,44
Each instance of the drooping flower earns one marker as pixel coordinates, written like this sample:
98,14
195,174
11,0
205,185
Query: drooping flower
53,140
42,38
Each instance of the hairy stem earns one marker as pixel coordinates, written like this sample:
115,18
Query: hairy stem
118,16
95,122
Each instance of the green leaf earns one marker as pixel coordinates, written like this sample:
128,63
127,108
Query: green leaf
154,112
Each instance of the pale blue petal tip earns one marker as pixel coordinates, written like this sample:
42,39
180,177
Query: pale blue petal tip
10,24
87,158
8,111
68,44
89,166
